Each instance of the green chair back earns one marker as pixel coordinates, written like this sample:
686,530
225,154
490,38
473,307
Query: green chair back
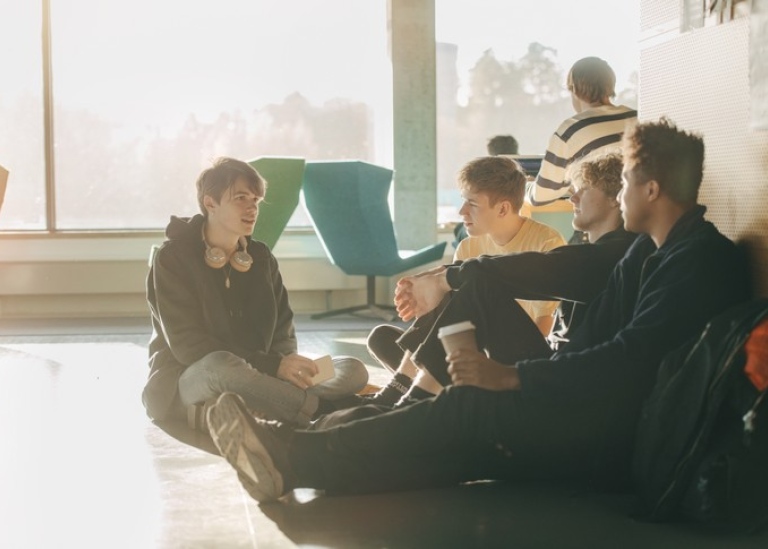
284,176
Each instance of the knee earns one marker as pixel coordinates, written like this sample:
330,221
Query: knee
208,371
382,345
220,359
384,333
352,370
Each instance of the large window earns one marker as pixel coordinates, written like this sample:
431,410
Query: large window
502,67
21,115
146,93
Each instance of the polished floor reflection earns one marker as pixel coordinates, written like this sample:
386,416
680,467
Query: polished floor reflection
81,466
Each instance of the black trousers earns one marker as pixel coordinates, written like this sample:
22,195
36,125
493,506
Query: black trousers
503,329
463,434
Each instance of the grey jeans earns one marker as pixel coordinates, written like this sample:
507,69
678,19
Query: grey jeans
222,371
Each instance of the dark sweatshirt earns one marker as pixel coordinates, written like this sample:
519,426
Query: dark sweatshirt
194,313
655,300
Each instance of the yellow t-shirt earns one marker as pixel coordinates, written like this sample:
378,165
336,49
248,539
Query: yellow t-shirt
532,237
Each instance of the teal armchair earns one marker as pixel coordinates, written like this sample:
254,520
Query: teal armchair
347,203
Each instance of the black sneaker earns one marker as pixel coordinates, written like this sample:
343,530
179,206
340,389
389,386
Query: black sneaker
250,445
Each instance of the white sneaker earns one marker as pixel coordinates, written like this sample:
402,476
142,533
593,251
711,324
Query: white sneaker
241,440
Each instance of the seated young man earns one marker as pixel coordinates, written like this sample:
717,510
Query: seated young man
485,289
569,416
493,190
220,314
497,145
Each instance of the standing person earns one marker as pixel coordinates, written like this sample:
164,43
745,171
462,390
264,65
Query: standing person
570,416
221,318
493,189
597,126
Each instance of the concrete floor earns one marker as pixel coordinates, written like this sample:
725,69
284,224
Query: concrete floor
83,467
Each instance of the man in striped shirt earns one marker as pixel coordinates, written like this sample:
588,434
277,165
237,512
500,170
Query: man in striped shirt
597,125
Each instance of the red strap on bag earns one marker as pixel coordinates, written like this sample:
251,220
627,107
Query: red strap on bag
756,348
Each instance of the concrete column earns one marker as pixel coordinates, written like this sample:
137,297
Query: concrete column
412,35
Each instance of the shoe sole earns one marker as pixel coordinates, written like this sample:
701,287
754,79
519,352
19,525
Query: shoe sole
240,446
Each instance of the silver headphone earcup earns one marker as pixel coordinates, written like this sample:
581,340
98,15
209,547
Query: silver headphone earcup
215,257
241,261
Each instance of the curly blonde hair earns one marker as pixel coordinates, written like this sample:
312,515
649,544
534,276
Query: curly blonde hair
598,171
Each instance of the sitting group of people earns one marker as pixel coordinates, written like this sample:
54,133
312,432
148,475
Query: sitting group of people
542,395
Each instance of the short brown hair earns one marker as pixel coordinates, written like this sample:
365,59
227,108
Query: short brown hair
592,80
670,156
601,171
500,177
502,144
220,177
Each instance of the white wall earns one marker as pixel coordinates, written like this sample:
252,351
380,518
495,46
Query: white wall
104,275
700,79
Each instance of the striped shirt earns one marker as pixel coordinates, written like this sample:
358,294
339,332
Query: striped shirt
597,129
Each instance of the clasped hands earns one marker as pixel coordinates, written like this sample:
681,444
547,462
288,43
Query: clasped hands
416,295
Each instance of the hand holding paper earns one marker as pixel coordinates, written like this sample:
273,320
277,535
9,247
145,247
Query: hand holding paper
325,369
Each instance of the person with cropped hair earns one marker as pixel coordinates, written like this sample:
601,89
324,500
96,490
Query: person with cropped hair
502,144
598,125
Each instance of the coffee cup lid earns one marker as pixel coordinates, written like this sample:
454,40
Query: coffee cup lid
455,328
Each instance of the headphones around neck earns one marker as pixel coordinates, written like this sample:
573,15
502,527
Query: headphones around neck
216,258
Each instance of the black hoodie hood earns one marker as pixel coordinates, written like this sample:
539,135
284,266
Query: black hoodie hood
185,228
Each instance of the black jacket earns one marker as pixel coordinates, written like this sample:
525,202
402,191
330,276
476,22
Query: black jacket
655,300
194,314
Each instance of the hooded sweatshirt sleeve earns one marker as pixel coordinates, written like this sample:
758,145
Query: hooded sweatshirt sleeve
284,335
662,298
570,273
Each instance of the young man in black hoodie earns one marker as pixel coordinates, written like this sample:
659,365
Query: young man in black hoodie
221,318
571,415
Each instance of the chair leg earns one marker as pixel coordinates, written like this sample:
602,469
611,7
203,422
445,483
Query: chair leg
385,312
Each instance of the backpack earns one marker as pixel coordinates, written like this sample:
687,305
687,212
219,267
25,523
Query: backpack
701,446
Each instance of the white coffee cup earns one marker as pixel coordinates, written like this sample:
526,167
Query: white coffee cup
458,336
